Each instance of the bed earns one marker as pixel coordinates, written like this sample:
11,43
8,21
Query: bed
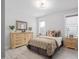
45,45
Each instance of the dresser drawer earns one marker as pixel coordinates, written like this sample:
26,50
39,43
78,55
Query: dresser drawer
19,42
18,35
19,38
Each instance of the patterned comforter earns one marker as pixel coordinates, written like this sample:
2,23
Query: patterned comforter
48,44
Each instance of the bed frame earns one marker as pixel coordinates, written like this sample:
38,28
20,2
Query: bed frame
42,51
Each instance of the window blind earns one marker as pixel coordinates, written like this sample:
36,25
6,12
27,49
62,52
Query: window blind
71,25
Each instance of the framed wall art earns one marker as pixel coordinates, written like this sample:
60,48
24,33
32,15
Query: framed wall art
21,25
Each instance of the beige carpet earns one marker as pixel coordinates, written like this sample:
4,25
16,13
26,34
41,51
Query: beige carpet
25,53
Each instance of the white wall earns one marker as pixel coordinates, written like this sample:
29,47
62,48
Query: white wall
55,21
24,10
15,10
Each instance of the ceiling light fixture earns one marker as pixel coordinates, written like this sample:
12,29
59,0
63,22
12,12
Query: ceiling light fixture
42,3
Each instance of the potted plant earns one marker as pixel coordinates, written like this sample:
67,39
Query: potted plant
12,27
30,28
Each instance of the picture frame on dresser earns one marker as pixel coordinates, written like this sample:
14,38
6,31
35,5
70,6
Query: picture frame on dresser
21,25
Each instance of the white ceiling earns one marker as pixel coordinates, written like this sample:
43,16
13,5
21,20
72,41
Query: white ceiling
28,8
58,5
62,4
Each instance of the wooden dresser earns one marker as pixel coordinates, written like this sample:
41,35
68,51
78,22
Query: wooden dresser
20,38
71,43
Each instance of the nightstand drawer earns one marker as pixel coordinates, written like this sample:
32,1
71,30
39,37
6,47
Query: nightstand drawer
70,43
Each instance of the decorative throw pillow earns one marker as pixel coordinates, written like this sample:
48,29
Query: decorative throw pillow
54,33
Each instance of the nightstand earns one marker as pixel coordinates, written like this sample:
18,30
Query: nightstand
71,43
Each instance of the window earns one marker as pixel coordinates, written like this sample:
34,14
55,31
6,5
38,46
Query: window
71,25
42,24
42,27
